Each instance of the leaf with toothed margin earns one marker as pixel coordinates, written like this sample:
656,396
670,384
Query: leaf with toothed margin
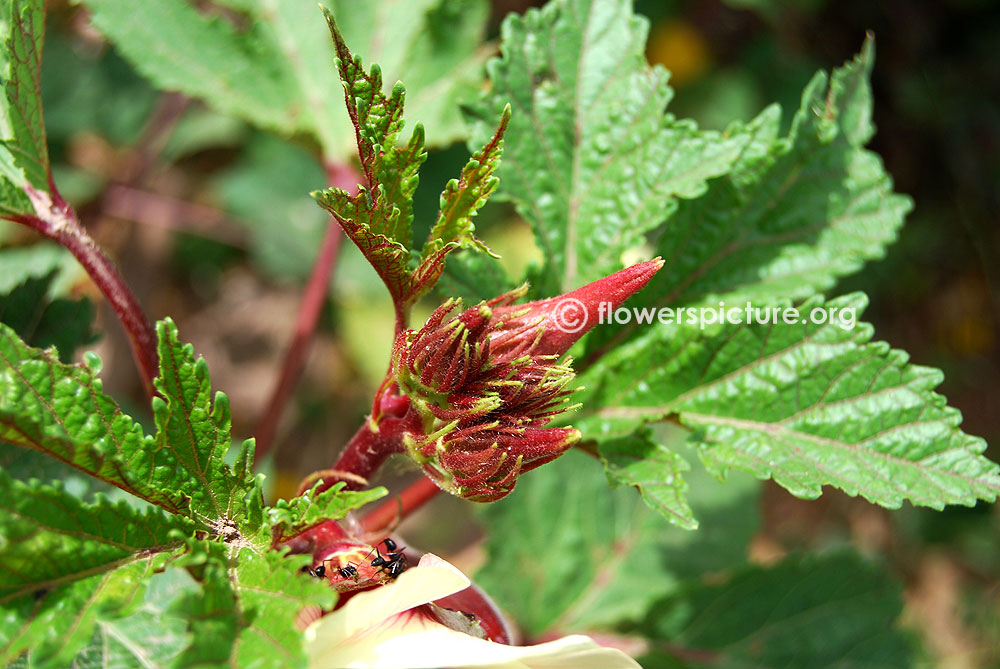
192,436
247,610
48,536
291,517
269,61
24,156
794,215
56,624
591,161
640,461
61,410
379,218
460,201
560,572
804,404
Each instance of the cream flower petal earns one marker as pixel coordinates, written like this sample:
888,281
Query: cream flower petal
431,579
376,629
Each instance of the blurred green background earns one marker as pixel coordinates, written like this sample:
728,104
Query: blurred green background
189,214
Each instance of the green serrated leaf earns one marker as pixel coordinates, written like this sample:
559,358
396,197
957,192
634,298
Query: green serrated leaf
804,404
50,537
294,516
193,437
791,220
460,201
434,46
277,73
654,470
204,56
378,218
598,557
56,625
246,613
25,159
149,637
591,160
834,610
61,410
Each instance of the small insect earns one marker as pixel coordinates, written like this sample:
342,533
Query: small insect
318,571
394,562
350,571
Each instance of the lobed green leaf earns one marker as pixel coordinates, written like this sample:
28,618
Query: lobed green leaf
49,537
591,160
378,218
794,215
192,437
246,612
804,404
276,74
61,410
654,470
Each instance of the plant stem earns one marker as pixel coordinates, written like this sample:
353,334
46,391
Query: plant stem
409,500
368,449
56,220
339,175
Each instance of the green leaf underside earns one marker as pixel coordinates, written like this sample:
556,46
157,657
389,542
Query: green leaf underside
794,215
56,624
277,74
61,410
246,613
654,470
50,537
821,611
378,219
294,516
560,571
804,404
591,160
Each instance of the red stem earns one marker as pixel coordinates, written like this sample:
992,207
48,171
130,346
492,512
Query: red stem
368,449
339,175
409,500
56,220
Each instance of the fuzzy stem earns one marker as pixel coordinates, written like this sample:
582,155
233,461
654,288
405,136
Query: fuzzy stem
339,175
56,220
368,449
409,500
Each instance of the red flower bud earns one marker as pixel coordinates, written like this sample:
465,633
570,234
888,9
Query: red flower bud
484,383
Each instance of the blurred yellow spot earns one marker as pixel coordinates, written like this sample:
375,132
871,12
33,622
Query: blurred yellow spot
680,47
286,484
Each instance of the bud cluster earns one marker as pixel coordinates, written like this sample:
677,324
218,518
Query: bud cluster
483,396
